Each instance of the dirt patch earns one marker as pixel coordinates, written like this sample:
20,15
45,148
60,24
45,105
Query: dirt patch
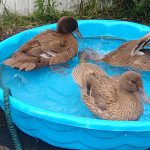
2,120
5,33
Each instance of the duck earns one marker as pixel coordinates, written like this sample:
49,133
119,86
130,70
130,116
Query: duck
48,48
131,54
110,98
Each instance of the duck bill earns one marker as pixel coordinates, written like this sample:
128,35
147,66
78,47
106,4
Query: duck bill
77,32
143,96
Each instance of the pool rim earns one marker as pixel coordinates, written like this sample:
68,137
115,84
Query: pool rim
76,121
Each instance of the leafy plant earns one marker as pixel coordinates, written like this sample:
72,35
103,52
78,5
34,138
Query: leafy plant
124,8
88,9
142,10
46,11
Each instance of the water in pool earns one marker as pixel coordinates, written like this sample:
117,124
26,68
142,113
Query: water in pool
55,90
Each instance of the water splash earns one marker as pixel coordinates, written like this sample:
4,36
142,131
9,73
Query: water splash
20,78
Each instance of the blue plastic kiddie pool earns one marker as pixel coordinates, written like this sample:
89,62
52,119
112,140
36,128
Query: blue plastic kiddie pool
46,103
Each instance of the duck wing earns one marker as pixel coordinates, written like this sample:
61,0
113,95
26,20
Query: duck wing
102,89
95,85
40,50
98,96
124,54
141,43
45,44
80,72
54,47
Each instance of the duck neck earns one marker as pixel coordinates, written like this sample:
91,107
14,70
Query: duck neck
130,101
126,95
61,31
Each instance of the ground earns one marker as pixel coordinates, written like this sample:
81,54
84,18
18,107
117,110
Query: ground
5,33
27,142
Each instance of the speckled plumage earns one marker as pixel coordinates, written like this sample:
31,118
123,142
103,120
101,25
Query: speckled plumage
104,95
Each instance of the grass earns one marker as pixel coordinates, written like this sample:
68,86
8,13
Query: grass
133,10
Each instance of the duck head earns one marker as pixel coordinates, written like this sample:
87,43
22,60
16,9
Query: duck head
68,25
131,82
83,56
88,54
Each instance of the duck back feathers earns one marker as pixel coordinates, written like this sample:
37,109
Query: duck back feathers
45,49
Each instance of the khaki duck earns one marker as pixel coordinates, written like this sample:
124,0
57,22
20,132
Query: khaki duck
110,98
48,48
132,54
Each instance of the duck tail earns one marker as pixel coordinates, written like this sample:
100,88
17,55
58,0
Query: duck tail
141,43
27,66
145,38
21,63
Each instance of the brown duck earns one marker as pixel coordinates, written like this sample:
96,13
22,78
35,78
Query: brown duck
110,98
132,54
48,48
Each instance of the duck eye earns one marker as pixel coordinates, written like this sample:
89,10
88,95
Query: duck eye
133,81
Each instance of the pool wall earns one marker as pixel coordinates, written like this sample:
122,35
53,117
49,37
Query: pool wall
71,131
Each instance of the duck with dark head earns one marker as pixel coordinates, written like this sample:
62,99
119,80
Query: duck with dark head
48,48
68,25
